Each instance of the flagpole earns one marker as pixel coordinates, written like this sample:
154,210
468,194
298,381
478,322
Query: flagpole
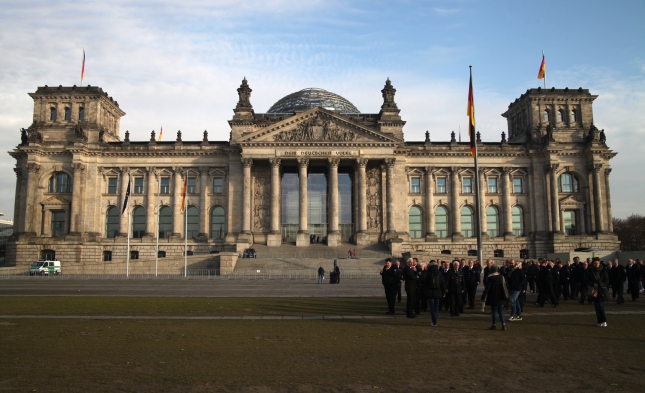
477,196
185,229
127,254
157,234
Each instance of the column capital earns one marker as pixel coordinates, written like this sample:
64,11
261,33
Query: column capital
78,167
390,162
334,161
429,170
275,161
204,170
303,162
551,168
607,171
247,162
178,170
17,171
151,170
455,170
124,170
361,162
595,167
507,170
482,170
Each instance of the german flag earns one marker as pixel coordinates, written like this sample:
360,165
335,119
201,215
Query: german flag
471,116
83,68
183,193
542,72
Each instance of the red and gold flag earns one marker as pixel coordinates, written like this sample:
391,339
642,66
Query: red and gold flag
471,116
542,72
160,133
183,193
83,68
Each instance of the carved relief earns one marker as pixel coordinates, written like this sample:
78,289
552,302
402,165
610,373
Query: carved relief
316,129
261,198
373,191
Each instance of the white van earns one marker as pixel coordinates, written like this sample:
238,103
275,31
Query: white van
44,268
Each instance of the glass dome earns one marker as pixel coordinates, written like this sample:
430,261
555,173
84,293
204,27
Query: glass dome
311,98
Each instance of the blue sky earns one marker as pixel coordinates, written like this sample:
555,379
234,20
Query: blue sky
179,63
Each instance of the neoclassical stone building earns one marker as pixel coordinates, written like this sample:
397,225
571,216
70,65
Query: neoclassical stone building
314,166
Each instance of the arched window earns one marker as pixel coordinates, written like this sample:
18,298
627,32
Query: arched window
560,116
492,221
568,183
68,114
193,221
467,221
112,222
416,223
441,221
573,118
60,183
545,116
81,113
138,223
165,222
218,223
518,221
52,114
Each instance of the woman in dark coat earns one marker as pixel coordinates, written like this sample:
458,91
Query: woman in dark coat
434,287
598,279
495,295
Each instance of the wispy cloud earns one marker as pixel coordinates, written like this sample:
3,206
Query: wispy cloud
446,11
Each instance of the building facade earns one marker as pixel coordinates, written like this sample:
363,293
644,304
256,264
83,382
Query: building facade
312,167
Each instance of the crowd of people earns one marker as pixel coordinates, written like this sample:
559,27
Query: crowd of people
440,285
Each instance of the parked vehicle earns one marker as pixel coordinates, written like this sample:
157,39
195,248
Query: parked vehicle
45,268
250,253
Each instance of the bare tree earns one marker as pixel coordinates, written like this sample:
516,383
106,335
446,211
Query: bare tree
630,232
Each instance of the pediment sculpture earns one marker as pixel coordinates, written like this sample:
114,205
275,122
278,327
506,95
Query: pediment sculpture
316,129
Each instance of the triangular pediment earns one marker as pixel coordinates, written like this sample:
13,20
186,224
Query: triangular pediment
317,125
571,200
55,201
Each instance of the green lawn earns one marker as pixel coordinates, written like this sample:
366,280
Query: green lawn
541,353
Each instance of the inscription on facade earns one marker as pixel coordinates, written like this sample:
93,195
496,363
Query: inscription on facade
317,153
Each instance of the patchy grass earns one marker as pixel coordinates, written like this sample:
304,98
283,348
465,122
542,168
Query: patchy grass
541,353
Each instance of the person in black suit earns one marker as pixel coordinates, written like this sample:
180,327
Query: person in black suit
399,271
545,283
564,280
471,279
435,289
632,271
455,289
617,277
582,281
411,283
445,268
389,279
555,272
574,280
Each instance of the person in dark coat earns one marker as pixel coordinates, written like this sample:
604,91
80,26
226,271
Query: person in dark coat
417,296
532,275
389,279
422,270
337,271
555,272
411,282
321,275
617,277
455,289
545,284
445,268
598,278
495,295
582,281
471,279
564,280
516,286
633,273
399,271
435,289
574,279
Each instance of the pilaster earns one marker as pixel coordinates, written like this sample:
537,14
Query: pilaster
302,238
274,238
333,235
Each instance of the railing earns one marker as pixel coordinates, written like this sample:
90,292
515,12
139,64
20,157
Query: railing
206,274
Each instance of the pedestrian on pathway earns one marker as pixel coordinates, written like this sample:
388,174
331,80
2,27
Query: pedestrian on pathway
435,289
337,271
495,295
598,279
321,275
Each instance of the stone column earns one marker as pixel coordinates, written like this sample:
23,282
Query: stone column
610,224
123,218
246,206
203,202
555,203
456,214
17,213
333,234
362,238
151,211
274,239
508,217
30,205
302,238
430,220
483,187
600,219
389,189
177,214
76,218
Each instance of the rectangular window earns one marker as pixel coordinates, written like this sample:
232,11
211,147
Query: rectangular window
570,222
517,185
217,185
492,185
107,256
415,185
81,113
165,185
58,223
441,185
112,185
467,183
191,186
138,185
